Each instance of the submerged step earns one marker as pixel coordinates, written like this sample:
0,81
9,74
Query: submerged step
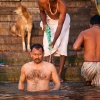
12,73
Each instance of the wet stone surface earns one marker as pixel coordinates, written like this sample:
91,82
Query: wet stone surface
69,91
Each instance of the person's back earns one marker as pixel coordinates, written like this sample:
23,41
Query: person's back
90,39
92,44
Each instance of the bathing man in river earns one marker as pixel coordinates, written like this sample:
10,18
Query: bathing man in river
90,38
54,14
38,72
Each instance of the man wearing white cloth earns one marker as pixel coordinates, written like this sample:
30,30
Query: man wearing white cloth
90,38
54,14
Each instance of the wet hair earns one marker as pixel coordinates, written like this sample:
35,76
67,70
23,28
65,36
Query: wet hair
95,20
37,46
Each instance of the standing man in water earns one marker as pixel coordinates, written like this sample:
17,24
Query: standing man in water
53,13
38,72
90,38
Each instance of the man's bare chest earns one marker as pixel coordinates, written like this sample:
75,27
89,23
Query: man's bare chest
40,74
52,11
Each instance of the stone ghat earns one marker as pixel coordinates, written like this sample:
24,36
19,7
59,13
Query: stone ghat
11,53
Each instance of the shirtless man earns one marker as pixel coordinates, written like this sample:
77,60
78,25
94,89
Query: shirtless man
38,72
54,14
90,38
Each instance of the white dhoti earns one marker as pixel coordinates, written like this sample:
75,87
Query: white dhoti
60,47
91,72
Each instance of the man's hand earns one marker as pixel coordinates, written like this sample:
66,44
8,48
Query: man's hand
44,27
52,44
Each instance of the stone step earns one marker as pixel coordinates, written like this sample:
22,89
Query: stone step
39,32
12,47
8,25
79,18
73,24
77,10
9,74
93,11
13,58
5,40
74,30
81,10
17,40
34,3
78,3
11,18
36,17
5,28
8,43
17,0
9,0
31,4
9,10
72,39
13,73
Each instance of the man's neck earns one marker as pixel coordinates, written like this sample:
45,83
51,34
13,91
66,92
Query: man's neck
38,64
52,1
96,25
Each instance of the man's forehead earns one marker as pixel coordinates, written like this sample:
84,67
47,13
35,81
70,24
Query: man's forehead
37,49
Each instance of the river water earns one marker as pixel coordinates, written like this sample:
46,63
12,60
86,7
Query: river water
68,91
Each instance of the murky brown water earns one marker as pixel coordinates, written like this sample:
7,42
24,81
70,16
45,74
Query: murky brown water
69,91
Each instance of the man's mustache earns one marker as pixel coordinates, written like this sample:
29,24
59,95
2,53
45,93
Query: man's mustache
37,59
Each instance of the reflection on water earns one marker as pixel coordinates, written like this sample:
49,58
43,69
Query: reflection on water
69,91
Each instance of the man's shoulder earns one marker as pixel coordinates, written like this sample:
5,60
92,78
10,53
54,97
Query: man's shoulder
48,63
50,66
85,31
63,3
42,1
26,64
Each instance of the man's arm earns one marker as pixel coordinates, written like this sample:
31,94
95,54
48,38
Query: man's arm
79,42
42,13
21,80
55,79
61,20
